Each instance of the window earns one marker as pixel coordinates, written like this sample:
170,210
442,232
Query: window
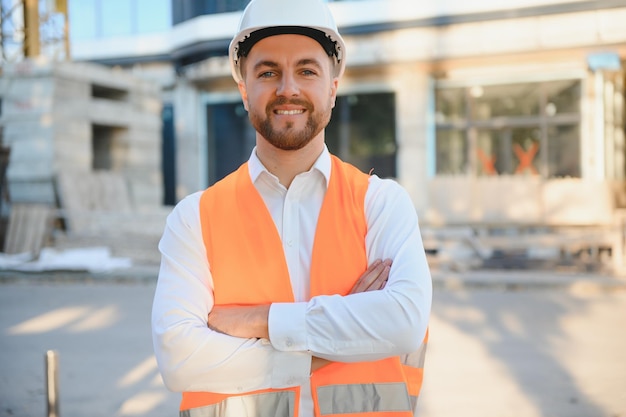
83,19
116,18
183,10
106,142
92,19
153,16
108,93
452,152
362,131
504,101
508,151
563,151
226,152
509,129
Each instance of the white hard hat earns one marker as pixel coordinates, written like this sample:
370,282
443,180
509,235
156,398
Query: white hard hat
263,18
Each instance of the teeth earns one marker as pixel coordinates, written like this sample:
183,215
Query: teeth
289,112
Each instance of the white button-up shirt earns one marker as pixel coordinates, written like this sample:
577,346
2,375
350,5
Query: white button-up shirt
360,327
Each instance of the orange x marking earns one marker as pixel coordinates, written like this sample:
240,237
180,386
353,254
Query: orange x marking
488,161
526,157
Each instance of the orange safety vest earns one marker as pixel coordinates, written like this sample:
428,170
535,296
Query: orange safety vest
249,268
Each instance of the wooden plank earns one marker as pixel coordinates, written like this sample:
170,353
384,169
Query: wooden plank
29,227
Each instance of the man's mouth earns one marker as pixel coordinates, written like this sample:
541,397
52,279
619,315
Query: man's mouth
289,112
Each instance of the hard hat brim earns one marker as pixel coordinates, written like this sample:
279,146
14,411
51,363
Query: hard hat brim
253,35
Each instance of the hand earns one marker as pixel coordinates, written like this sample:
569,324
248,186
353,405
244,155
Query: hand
374,278
251,321
240,321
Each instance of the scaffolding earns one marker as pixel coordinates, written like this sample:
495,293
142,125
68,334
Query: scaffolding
32,28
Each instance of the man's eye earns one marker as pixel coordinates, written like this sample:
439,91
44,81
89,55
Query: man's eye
266,74
308,72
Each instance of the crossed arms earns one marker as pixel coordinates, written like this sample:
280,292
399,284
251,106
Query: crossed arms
379,319
252,321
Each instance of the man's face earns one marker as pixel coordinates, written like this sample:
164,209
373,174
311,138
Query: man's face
288,90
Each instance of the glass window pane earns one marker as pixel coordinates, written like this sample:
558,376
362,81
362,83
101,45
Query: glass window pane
373,117
116,17
527,150
451,152
82,17
373,133
563,151
493,152
450,105
332,135
508,151
505,100
222,6
562,97
362,131
227,152
501,148
153,15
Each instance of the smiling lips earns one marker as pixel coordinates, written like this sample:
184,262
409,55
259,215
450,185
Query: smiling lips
289,112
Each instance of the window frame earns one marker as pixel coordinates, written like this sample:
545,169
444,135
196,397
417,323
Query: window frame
542,121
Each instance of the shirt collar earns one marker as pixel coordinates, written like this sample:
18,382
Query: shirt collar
322,165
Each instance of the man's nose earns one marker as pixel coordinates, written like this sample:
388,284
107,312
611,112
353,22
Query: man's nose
288,86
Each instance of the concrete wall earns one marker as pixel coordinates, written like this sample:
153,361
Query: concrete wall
502,201
50,112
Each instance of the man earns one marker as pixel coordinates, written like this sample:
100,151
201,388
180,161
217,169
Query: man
265,303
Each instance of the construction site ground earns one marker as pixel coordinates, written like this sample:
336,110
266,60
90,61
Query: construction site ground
519,343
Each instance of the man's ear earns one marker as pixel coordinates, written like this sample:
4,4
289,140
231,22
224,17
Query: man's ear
333,91
244,94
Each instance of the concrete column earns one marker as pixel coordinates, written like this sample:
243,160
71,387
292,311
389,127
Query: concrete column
188,150
413,124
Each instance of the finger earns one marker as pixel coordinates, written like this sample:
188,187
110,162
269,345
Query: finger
380,281
375,280
368,277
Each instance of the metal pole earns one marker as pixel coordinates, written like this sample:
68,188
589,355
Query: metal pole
52,382
32,45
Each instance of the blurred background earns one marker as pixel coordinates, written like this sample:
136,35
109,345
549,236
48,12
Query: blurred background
505,121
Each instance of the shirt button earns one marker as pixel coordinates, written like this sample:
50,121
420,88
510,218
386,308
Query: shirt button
289,343
290,243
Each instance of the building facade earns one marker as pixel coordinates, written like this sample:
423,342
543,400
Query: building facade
489,113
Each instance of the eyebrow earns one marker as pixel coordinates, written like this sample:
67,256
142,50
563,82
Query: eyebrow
309,61
261,64
301,63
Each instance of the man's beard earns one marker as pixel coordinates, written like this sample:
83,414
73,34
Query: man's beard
288,138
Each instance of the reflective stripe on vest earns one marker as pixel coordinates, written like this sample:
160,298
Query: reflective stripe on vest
363,398
414,369
270,404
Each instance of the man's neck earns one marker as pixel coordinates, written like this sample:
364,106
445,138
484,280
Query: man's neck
285,165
